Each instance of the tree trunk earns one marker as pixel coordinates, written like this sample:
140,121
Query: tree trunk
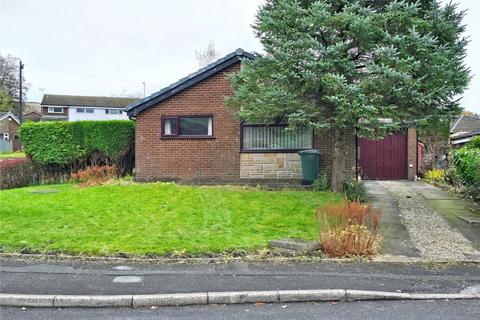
338,160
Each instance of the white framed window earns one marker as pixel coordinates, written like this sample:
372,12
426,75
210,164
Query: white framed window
113,111
6,136
195,126
89,110
55,109
80,110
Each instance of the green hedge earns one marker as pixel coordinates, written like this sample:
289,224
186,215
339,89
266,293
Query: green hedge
467,165
466,162
78,144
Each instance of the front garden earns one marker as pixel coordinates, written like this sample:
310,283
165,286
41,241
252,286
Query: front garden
100,213
156,218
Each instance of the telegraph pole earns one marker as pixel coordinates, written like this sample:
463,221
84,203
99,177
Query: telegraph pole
20,116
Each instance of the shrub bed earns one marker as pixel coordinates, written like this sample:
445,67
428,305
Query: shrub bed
349,229
95,175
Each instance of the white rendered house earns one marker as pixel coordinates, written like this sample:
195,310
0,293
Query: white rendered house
76,108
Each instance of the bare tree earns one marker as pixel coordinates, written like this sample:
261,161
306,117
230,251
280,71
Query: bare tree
10,83
206,55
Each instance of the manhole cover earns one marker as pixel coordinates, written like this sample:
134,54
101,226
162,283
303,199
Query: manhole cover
45,191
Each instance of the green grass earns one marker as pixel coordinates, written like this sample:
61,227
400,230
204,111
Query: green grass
16,154
153,218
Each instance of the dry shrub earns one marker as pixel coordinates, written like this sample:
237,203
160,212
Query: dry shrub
95,175
349,229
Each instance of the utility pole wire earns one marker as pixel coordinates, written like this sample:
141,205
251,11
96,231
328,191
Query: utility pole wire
82,74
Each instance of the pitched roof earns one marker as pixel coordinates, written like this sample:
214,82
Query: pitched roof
4,115
465,126
135,108
90,101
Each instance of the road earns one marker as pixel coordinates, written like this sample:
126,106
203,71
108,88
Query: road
391,310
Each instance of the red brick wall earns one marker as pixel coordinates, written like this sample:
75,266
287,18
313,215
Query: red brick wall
188,159
412,153
195,159
323,141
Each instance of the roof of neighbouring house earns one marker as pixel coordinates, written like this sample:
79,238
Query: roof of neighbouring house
4,115
135,108
33,116
87,101
31,106
465,126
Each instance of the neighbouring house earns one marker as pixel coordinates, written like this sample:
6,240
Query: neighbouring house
185,132
9,125
32,116
31,106
463,129
75,108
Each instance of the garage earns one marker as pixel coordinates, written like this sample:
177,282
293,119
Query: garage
385,159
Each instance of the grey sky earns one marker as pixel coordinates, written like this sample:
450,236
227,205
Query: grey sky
142,40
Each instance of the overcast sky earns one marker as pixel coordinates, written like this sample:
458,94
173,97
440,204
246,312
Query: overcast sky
122,43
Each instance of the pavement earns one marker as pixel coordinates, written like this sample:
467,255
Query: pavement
103,278
425,310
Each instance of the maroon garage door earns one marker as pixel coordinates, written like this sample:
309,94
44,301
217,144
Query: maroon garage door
384,159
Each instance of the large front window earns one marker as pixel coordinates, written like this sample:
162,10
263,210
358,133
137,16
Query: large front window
257,137
187,126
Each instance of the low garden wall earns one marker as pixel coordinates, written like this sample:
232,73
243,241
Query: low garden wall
21,172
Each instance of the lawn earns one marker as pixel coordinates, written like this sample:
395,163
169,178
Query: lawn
155,218
16,154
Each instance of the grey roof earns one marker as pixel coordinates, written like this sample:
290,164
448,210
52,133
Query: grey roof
90,101
135,108
465,126
6,114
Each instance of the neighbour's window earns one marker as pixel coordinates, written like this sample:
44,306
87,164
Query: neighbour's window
89,110
6,136
113,111
80,110
55,109
187,126
261,137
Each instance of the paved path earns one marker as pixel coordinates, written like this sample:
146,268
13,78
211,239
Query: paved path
458,212
396,240
39,277
424,310
417,215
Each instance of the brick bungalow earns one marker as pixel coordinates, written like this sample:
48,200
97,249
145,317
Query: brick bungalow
185,132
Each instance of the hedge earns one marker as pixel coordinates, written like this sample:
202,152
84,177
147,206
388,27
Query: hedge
466,162
78,144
